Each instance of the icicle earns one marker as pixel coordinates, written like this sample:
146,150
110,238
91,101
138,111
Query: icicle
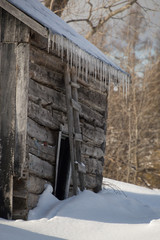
67,45
53,41
62,48
76,59
79,60
95,69
123,86
105,76
49,40
128,83
126,86
109,72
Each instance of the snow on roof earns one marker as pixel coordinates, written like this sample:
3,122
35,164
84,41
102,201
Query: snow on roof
68,38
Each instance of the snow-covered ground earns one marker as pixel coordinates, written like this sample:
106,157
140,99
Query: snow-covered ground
119,212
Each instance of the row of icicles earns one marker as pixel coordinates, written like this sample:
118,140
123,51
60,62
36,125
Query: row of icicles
86,64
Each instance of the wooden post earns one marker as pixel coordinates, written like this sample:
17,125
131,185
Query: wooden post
22,82
14,78
70,128
7,126
77,125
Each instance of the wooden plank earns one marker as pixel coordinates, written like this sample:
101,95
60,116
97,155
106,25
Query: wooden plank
32,200
80,168
77,131
1,23
12,30
70,128
93,182
7,125
35,184
22,83
78,137
75,85
93,135
24,18
47,77
57,159
93,99
42,150
93,166
93,117
41,133
92,83
43,116
76,106
92,151
47,96
20,214
19,188
43,58
40,168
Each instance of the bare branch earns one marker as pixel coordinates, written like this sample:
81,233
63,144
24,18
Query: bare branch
109,16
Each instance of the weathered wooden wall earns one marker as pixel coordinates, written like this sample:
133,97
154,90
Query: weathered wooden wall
14,58
47,107
35,109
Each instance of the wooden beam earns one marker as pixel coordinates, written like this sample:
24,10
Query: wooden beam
13,30
24,18
7,126
77,129
70,128
22,83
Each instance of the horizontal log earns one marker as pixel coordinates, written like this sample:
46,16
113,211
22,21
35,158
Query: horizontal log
93,134
12,30
41,133
38,40
93,166
80,167
40,168
92,151
42,58
47,77
94,99
44,116
92,83
47,96
20,214
32,200
35,184
41,150
93,117
93,182
57,101
19,187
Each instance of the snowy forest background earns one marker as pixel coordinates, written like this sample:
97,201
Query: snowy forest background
129,32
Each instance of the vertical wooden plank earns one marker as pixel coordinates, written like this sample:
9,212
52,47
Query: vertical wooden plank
7,126
0,22
57,159
22,83
70,128
77,126
12,30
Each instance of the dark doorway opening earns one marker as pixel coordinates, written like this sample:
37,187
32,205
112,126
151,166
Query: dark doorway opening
64,170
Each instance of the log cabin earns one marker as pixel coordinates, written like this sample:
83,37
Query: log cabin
53,107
